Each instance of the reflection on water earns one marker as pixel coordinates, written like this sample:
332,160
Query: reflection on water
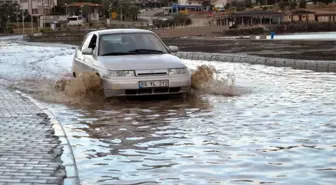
280,130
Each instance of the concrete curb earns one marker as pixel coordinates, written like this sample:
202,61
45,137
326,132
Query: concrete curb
318,66
69,162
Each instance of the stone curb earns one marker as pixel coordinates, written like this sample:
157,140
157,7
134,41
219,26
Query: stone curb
69,162
318,66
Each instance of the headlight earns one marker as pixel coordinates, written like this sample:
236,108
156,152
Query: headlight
178,71
120,73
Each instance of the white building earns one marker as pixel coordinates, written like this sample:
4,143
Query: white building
37,7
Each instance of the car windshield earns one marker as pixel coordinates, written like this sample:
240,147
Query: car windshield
130,43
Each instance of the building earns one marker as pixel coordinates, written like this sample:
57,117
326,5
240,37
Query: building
76,8
302,15
250,18
6,1
34,7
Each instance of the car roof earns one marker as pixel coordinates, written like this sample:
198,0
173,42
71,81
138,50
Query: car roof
120,30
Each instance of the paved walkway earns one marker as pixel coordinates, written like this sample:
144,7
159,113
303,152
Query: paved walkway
30,153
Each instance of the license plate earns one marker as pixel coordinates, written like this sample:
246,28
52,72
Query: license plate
154,83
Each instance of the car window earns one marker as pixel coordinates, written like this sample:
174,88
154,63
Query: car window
72,19
86,43
93,42
125,42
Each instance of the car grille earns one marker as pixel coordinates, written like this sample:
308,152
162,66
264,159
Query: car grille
152,74
153,91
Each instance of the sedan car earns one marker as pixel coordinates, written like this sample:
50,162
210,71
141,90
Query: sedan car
132,62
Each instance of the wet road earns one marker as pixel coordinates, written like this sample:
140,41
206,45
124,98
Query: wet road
281,129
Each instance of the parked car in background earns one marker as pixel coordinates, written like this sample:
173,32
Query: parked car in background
132,62
75,20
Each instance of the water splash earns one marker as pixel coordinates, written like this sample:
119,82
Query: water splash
207,80
86,84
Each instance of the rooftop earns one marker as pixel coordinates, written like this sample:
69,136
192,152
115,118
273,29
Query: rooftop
258,12
316,12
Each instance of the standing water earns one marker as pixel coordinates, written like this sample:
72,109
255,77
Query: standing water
280,130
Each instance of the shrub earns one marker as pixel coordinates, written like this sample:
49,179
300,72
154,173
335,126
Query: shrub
282,5
178,19
9,28
45,30
293,5
302,4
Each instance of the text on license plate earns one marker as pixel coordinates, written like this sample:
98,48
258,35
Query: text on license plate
154,83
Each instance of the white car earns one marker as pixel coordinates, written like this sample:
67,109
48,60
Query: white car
132,62
75,21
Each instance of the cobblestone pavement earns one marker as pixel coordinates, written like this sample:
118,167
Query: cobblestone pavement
30,153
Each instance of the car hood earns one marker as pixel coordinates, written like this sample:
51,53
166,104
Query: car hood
140,62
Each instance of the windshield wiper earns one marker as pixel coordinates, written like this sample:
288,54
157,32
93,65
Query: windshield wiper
146,51
119,53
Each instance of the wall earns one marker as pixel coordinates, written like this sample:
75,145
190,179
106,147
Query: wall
323,18
319,66
296,18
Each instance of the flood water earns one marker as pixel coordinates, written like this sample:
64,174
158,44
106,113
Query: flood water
307,36
280,129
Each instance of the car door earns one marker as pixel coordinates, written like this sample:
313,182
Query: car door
84,62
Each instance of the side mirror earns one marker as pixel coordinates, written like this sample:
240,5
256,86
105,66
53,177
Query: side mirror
173,49
87,51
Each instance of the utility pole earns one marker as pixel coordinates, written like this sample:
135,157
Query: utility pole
17,17
31,16
121,13
23,27
38,24
66,9
81,11
43,13
110,13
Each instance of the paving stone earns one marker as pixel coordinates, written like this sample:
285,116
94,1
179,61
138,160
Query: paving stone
29,150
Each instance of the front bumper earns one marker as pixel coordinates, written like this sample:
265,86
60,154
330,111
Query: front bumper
126,86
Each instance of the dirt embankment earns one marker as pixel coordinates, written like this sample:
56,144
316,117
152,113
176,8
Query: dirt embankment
279,29
291,49
306,50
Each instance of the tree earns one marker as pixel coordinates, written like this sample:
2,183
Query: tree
227,6
206,3
127,9
85,12
293,5
238,5
302,4
326,1
282,5
134,12
10,12
248,3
